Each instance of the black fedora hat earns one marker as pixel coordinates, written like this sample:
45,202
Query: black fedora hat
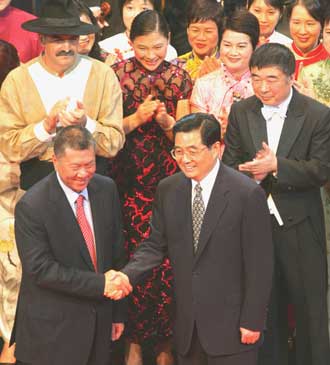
59,17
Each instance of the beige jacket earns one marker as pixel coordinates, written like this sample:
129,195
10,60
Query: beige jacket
21,108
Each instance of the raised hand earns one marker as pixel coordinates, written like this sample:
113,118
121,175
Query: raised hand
264,163
209,64
117,285
165,121
50,122
147,109
223,117
73,115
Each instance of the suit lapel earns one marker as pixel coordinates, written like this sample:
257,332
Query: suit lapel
183,204
257,125
68,220
215,208
292,125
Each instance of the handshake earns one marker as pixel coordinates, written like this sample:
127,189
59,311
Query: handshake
117,285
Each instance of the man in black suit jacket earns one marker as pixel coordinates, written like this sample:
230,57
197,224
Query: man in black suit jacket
63,316
222,273
282,139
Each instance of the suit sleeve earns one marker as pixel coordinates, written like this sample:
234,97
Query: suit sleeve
312,170
152,251
257,252
119,257
233,155
39,263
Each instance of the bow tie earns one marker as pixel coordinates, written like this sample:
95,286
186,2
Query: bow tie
269,112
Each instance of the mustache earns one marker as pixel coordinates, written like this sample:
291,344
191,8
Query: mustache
65,53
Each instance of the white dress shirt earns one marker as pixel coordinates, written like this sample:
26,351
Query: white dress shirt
72,196
275,117
206,184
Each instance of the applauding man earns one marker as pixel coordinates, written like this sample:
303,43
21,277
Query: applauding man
282,140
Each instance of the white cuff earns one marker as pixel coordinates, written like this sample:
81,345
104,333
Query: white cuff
41,133
90,125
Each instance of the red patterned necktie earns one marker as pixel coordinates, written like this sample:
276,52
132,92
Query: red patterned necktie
86,229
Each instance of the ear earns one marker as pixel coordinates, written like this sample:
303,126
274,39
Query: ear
216,148
291,80
42,39
54,160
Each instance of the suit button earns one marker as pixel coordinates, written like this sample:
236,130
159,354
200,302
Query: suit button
93,310
289,188
290,219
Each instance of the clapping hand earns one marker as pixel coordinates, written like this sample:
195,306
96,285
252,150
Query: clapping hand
147,109
50,122
117,285
264,163
165,121
209,65
73,115
223,117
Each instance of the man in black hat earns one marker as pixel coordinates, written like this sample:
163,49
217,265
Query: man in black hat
58,89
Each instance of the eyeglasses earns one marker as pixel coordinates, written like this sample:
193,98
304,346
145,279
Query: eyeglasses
191,152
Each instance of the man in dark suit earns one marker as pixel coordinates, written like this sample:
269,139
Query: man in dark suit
282,139
213,223
67,250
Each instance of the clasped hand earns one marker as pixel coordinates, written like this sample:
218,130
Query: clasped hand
117,285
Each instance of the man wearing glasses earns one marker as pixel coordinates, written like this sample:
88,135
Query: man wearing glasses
214,224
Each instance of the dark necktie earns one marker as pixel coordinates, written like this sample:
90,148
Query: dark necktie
86,229
198,211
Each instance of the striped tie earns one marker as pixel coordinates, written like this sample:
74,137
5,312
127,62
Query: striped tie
86,229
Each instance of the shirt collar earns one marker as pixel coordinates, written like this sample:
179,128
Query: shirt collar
49,70
209,179
71,195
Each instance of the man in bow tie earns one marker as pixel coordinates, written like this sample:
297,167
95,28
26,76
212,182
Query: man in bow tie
282,140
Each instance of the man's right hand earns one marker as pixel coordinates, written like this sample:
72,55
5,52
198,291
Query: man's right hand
50,122
117,285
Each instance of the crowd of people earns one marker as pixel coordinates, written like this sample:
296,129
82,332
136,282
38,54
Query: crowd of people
121,126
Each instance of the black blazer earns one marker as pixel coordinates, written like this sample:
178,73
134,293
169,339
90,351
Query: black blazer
226,284
303,155
61,308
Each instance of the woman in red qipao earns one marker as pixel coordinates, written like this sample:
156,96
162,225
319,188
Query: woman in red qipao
305,21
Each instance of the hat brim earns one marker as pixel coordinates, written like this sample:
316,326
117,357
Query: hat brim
42,26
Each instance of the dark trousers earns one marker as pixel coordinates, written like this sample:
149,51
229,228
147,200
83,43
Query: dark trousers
197,356
300,279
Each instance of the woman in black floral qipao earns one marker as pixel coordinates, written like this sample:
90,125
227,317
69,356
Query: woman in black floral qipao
152,90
